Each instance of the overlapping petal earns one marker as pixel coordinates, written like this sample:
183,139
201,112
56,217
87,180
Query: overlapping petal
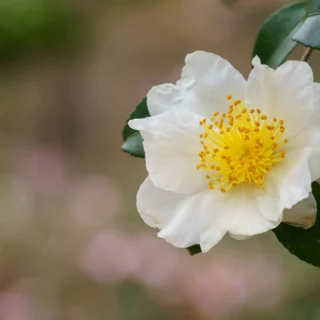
285,93
176,199
206,81
201,218
303,214
172,144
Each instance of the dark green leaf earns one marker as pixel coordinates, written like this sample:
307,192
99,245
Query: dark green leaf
132,140
309,32
313,6
305,244
195,249
133,145
274,43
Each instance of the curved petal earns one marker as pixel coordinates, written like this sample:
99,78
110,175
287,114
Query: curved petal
237,237
286,93
237,211
203,217
175,214
206,81
303,214
172,144
291,179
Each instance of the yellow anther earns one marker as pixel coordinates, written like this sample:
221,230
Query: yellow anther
229,97
246,148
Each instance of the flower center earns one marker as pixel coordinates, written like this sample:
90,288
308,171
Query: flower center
240,146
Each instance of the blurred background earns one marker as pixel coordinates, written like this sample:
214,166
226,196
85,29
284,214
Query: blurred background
72,245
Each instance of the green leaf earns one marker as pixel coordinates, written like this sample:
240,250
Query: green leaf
309,32
132,140
133,145
274,43
313,6
305,244
195,249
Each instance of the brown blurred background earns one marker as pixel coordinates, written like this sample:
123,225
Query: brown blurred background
72,245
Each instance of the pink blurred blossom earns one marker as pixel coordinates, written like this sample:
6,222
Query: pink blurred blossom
43,168
228,282
94,201
159,263
110,257
15,306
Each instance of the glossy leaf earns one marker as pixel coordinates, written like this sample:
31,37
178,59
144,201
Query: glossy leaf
309,32
132,140
274,43
305,244
313,6
195,249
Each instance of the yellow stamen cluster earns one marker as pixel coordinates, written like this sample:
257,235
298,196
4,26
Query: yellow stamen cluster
240,146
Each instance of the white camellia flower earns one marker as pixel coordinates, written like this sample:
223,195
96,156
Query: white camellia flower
229,155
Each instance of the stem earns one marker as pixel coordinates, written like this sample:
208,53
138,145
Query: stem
306,55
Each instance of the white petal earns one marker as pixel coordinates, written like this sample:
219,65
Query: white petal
172,144
204,217
291,178
250,211
285,93
175,214
237,211
237,237
206,81
303,214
